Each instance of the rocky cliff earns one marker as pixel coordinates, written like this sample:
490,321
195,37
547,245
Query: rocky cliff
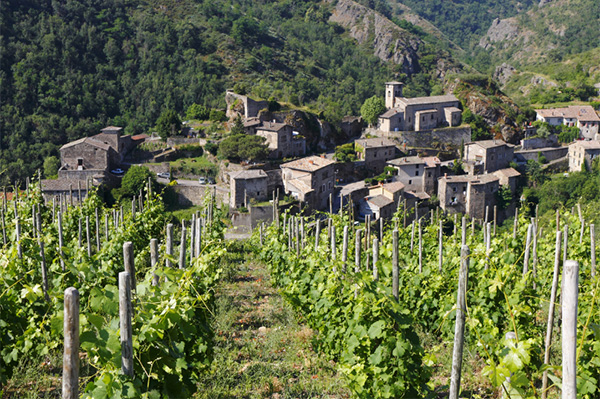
389,41
482,97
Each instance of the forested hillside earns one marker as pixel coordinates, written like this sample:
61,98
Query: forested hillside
72,67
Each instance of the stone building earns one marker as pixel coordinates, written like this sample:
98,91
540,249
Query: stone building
582,116
283,142
468,194
582,152
69,189
392,191
241,105
87,153
487,156
376,206
247,185
310,180
419,113
417,174
508,177
375,152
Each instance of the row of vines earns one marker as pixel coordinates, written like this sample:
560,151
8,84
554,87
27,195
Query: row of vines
377,340
172,339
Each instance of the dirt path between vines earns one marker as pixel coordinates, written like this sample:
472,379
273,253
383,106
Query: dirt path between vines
262,350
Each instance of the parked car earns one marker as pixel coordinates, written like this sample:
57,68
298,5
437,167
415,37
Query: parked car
164,175
117,171
211,180
202,180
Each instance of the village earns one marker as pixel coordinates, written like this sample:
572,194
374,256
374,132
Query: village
395,164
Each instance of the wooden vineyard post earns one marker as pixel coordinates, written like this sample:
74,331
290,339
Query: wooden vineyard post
106,225
527,248
375,259
260,233
565,243
463,238
593,248
516,223
289,233
345,249
18,232
380,229
570,286
550,325
488,245
341,211
87,235
60,241
412,237
472,226
455,229
333,247
128,260
330,204
302,232
192,238
317,233
404,223
198,237
70,375
459,327
329,221
495,220
534,258
154,259
420,247
169,245
357,251
581,231
557,220
297,235
441,247
133,208
182,246
44,271
125,313
487,212
3,229
97,231
395,265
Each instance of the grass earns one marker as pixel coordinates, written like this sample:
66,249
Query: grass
262,349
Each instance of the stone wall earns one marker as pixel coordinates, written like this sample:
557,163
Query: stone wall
538,142
194,195
551,153
453,136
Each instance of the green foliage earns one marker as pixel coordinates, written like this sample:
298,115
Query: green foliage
238,126
535,174
371,109
171,323
240,147
212,147
216,115
457,167
479,129
345,153
197,111
568,134
51,166
133,181
168,124
503,197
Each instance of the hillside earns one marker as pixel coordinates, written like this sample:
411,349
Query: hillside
69,68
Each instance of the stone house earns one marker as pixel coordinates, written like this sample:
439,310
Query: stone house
87,154
376,206
310,180
67,188
417,174
392,191
487,156
419,113
468,194
375,152
582,116
246,185
508,177
283,142
582,152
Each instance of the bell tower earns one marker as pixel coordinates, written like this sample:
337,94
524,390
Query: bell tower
392,90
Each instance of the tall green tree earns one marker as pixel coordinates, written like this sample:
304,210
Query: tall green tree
168,124
134,180
371,109
51,166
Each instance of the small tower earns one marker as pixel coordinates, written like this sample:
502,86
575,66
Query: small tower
392,90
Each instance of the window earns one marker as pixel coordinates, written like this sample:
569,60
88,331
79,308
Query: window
454,189
323,188
410,182
431,116
416,173
429,174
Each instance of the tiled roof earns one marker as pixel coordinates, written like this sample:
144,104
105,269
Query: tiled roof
394,83
508,172
380,201
139,137
300,185
588,144
579,112
422,195
375,142
406,161
428,100
489,143
431,162
309,164
111,128
473,179
272,126
63,184
390,112
452,109
394,186
87,140
248,174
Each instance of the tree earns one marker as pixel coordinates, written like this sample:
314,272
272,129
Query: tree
371,109
168,124
535,172
134,180
238,126
239,147
503,197
197,111
345,153
51,166
216,115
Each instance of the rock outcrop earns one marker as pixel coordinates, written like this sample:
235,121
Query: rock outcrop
504,72
500,30
389,41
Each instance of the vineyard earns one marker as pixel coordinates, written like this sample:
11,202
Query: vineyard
51,247
399,286
128,296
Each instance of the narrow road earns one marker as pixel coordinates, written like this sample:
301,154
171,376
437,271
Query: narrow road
262,349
